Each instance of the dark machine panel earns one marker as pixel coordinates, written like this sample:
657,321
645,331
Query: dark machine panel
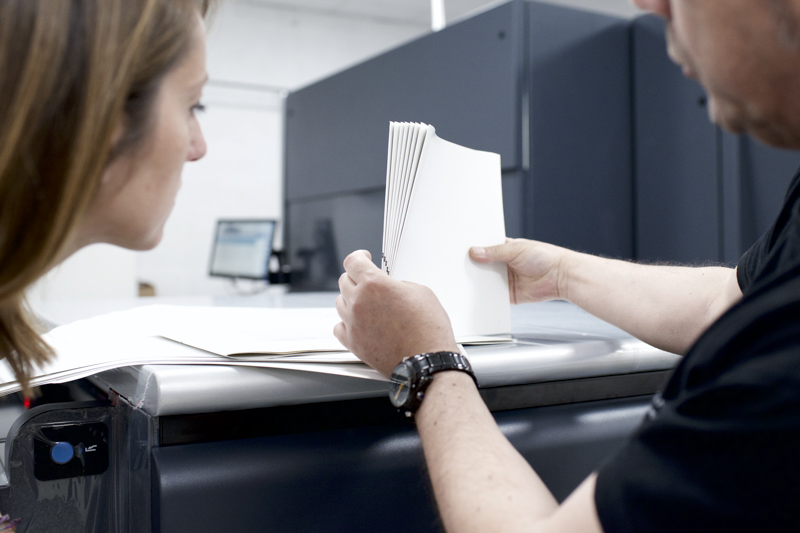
677,208
580,182
325,230
367,478
464,80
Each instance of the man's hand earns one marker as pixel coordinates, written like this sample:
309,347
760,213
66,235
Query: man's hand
535,269
385,320
663,305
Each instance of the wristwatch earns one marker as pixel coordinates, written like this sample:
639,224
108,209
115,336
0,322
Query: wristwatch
411,377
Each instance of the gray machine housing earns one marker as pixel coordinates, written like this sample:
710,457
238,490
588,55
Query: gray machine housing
339,466
546,87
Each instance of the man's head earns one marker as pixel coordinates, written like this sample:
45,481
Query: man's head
746,54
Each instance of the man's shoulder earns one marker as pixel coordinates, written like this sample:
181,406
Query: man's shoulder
757,339
778,250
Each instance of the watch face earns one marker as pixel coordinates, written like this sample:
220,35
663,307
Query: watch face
401,385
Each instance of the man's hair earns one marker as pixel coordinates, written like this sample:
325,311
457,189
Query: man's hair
73,73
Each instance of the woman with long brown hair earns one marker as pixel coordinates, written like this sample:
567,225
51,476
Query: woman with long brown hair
96,121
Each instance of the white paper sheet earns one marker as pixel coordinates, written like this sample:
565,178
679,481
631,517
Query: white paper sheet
453,201
248,330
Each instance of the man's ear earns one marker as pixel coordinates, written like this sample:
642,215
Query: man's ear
661,8
787,13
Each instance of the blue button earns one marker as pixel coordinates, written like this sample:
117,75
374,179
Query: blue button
62,452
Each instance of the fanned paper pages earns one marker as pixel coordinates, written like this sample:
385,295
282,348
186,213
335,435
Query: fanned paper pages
441,199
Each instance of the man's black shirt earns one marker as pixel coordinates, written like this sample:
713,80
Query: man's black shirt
720,449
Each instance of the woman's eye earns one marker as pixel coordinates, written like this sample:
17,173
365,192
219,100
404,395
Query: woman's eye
198,108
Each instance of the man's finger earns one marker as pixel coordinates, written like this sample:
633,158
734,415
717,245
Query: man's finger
345,283
359,265
340,332
341,306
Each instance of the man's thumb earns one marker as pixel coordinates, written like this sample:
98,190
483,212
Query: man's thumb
491,254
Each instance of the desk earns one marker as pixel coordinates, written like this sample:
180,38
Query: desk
195,449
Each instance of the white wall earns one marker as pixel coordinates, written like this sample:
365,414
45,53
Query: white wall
283,47
99,271
254,52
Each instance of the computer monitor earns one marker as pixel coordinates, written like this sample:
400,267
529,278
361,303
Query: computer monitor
242,248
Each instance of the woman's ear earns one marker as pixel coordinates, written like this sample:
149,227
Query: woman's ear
114,151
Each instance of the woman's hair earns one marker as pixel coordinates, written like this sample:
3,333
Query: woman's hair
74,72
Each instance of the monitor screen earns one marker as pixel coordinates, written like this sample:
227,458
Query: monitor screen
242,249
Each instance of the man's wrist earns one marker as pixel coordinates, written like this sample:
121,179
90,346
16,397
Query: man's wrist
447,388
568,264
453,378
577,271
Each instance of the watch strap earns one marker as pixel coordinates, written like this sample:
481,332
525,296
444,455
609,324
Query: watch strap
431,363
427,364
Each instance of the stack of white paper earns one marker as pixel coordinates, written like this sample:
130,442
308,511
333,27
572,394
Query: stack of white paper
441,199
301,339
298,339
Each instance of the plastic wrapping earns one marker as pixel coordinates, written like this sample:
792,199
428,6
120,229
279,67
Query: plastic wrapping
58,482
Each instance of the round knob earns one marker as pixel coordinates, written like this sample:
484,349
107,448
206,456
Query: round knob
62,452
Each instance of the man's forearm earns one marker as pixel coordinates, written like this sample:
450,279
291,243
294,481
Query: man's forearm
481,482
666,306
